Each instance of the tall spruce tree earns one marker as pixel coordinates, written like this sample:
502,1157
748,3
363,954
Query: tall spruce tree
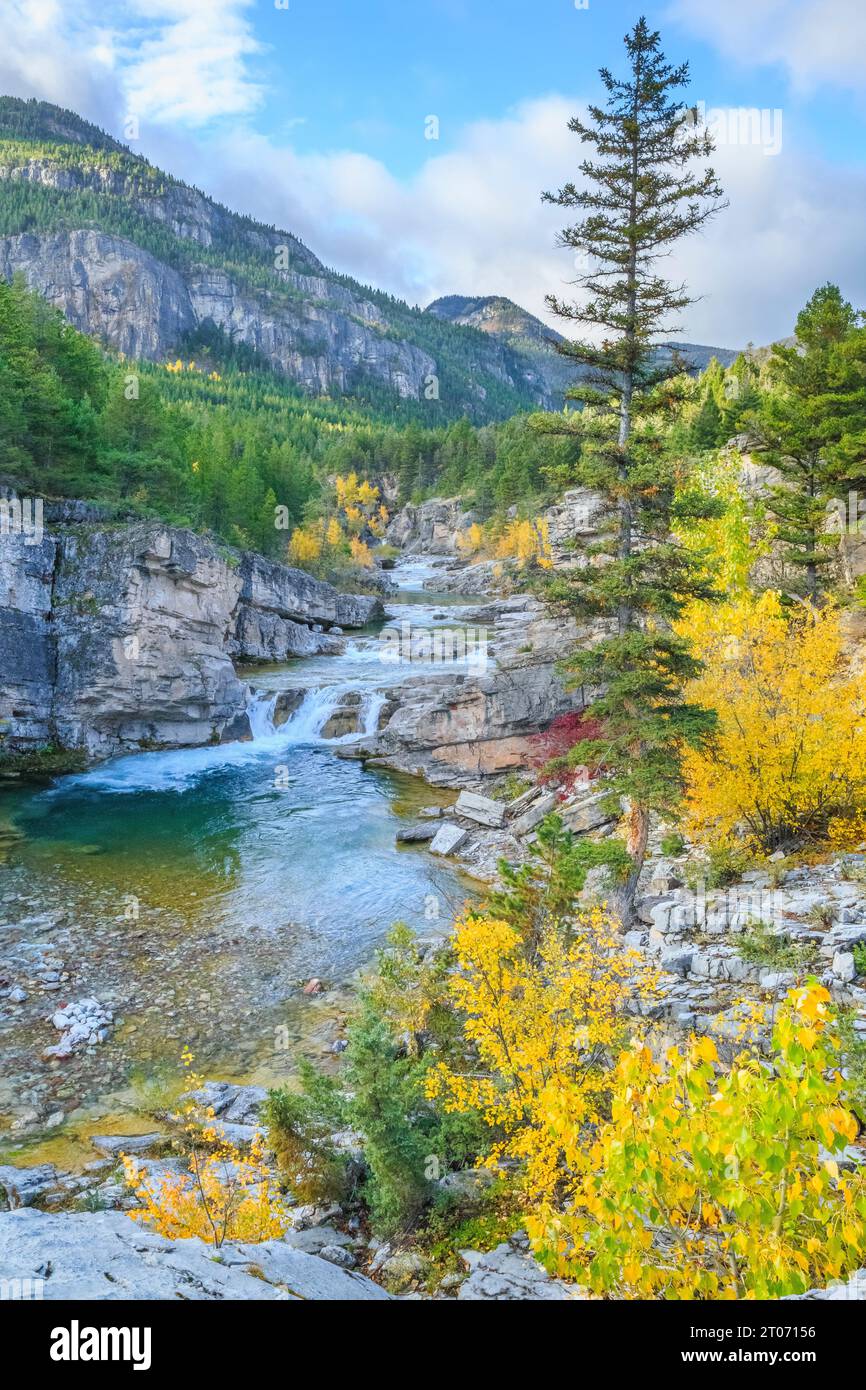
811,426
645,189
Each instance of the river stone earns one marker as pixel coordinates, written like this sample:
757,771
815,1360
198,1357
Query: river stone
235,1104
843,966
106,1255
125,1143
482,809
535,814
586,815
416,834
448,839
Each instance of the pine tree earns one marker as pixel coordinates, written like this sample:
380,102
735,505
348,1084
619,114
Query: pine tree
641,194
706,431
811,426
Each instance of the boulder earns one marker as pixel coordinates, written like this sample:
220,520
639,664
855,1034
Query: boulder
24,1186
416,834
509,1273
448,839
588,814
482,809
535,813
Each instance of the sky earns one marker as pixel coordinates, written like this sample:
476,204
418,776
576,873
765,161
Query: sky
408,143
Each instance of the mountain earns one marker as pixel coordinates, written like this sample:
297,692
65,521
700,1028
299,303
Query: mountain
547,371
150,265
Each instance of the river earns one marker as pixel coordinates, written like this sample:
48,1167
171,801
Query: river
193,892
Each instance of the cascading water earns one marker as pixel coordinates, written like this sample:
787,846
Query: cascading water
305,725
313,713
260,712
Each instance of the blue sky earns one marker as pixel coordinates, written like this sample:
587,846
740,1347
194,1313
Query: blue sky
313,117
389,64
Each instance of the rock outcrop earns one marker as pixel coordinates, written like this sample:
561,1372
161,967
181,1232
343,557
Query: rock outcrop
122,637
430,528
456,729
90,1256
115,290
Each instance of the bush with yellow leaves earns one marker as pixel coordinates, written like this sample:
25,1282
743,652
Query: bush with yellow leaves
359,502
709,1185
541,1023
788,761
227,1194
306,546
527,542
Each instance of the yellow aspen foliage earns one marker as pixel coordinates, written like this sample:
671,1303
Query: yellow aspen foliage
361,553
227,1194
788,761
526,542
541,1024
334,534
346,490
470,541
305,546
717,1184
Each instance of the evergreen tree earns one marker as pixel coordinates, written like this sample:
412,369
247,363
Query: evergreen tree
811,425
643,192
706,431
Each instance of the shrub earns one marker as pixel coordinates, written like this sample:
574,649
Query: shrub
759,945
556,753
709,1185
543,893
788,761
540,1024
227,1194
299,1126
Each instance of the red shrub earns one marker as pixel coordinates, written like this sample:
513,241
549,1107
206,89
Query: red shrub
565,733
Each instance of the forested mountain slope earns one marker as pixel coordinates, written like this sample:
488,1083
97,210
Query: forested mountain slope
143,262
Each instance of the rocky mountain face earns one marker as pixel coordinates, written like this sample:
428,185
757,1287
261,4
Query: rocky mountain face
547,370
121,638
140,261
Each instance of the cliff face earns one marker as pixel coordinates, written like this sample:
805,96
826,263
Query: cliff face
140,260
119,638
112,289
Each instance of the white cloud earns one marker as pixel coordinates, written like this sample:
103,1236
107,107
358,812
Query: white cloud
50,53
816,41
164,61
471,221
186,60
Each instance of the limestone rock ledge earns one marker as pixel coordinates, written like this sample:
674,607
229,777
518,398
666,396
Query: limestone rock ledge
105,1255
121,637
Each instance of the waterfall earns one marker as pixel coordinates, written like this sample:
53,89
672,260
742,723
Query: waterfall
373,704
260,712
313,713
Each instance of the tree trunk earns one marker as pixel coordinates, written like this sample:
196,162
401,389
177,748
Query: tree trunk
638,834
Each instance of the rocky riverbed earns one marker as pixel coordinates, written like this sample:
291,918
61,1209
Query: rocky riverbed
202,896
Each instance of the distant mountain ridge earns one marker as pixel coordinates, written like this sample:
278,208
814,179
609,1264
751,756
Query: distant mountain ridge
536,341
147,264
144,261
